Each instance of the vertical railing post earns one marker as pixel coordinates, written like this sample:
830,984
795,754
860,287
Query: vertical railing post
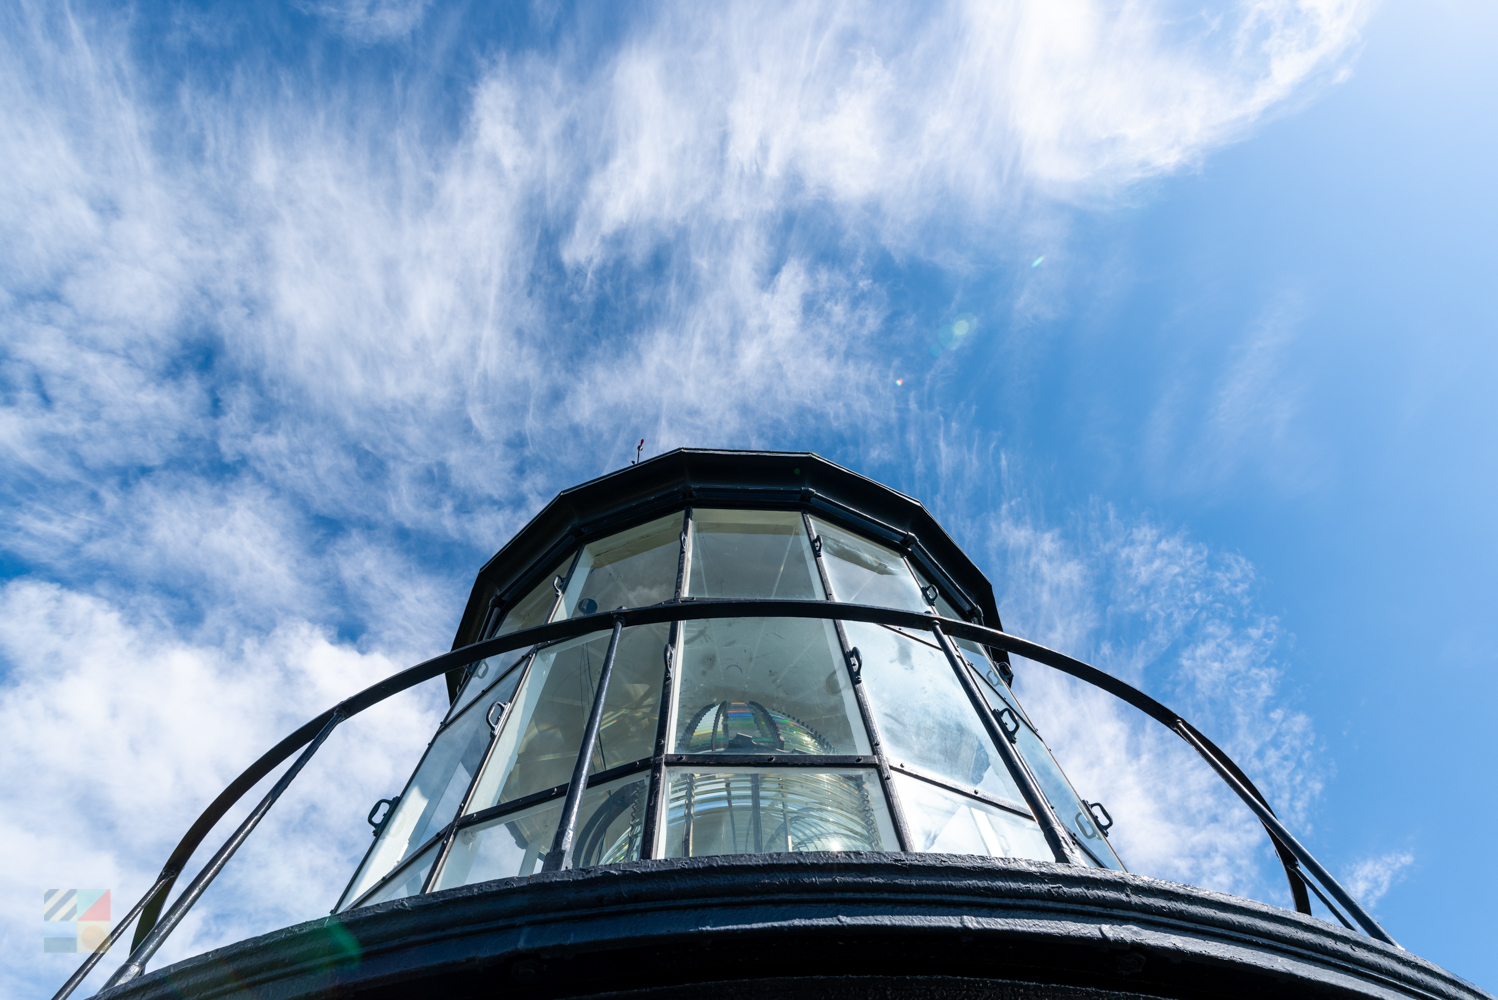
904,840
1055,834
136,963
657,793
560,854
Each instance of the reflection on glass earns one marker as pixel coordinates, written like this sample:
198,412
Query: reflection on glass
751,553
1053,781
538,745
535,608
924,716
631,569
484,676
502,848
776,810
865,572
609,824
944,822
433,796
627,730
408,882
765,685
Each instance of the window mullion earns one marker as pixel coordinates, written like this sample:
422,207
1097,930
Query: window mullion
495,725
896,814
1056,835
561,845
651,832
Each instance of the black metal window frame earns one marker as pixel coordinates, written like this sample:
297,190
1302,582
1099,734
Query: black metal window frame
650,845
153,927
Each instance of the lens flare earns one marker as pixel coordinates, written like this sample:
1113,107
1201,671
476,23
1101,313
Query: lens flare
1038,260
899,381
954,334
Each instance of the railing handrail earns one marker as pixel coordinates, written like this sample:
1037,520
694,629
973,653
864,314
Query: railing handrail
1290,851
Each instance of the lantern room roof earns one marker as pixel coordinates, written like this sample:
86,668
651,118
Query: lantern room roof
725,478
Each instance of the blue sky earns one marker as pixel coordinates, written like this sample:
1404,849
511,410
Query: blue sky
1180,317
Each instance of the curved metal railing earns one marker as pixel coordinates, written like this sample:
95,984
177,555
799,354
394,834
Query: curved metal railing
154,927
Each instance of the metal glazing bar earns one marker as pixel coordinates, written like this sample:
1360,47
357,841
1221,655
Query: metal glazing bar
707,761
136,963
566,582
523,665
683,557
547,794
401,869
495,725
657,790
672,611
561,845
1269,819
114,935
1055,834
967,791
887,783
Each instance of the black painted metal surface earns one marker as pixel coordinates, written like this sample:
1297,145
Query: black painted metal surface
712,478
670,612
821,925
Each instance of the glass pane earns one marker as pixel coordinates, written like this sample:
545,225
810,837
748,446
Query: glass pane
502,848
627,730
924,716
1054,783
631,569
976,655
484,676
535,608
752,553
408,882
610,823
433,796
944,822
538,747
776,810
865,572
765,685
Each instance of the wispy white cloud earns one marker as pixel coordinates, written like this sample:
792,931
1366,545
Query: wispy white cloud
1154,608
118,731
1370,879
283,362
370,20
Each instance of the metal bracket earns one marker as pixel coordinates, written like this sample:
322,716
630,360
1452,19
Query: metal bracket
494,723
816,544
1105,821
1011,728
380,823
930,593
556,584
855,664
